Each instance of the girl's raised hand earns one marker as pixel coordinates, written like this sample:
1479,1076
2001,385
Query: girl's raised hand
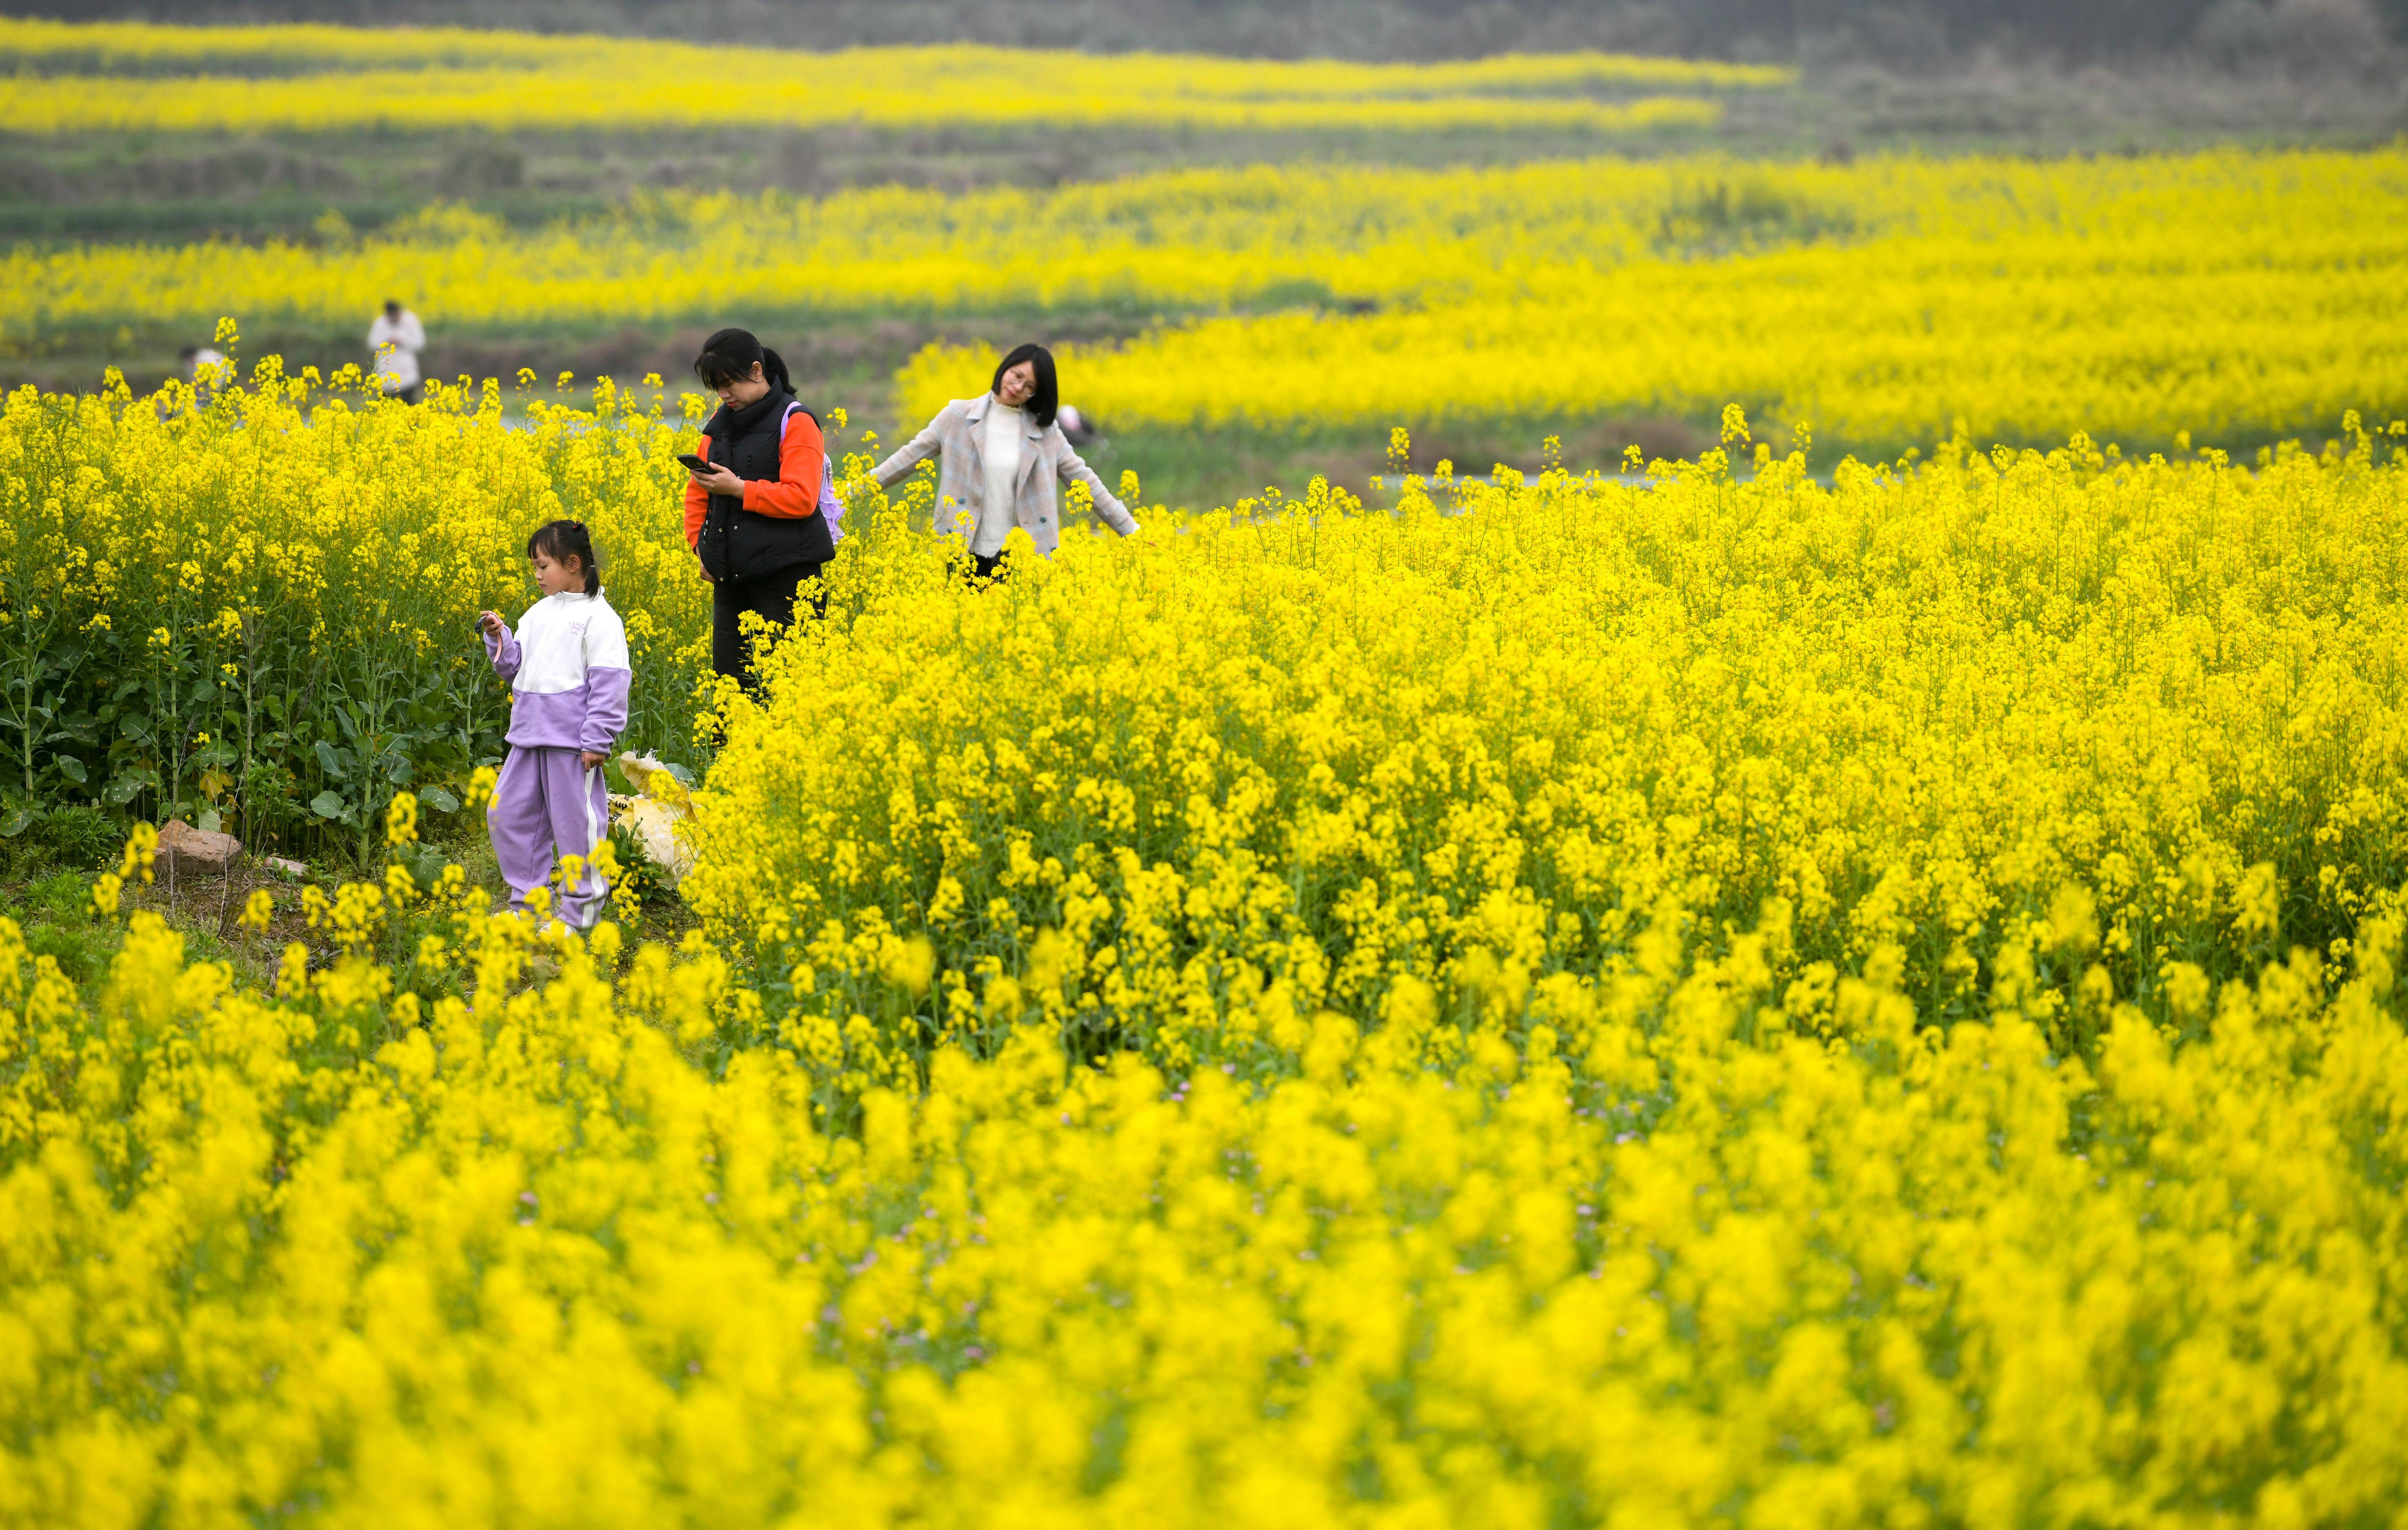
491,622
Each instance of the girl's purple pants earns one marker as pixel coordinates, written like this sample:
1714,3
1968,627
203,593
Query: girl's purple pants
547,805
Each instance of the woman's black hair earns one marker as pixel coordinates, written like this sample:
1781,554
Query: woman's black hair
729,355
1048,396
561,540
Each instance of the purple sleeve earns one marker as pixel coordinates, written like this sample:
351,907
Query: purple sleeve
504,651
605,707
831,508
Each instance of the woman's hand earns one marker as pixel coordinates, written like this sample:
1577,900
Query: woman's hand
719,480
491,621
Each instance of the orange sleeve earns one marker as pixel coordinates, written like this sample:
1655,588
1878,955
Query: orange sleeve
796,492
698,500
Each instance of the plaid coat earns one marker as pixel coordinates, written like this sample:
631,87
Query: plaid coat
961,480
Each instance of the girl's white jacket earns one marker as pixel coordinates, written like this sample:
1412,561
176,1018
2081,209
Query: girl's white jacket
567,663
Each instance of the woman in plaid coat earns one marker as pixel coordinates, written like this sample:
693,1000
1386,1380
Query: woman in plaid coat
1003,458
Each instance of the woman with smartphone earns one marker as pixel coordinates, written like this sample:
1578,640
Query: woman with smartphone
761,504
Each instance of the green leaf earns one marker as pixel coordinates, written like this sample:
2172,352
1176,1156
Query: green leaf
210,821
18,820
424,863
123,789
327,805
438,799
72,768
334,762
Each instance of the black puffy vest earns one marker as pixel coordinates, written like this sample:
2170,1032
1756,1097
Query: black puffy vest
736,543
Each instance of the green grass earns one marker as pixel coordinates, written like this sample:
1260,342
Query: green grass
55,914
1201,468
54,911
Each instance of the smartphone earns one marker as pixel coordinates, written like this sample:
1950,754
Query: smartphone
693,462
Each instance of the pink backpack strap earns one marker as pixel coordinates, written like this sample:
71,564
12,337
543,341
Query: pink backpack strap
831,506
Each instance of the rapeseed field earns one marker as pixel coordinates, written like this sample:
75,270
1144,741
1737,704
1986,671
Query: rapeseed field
2072,718
565,1251
2242,296
1747,1000
2237,296
1850,978
317,78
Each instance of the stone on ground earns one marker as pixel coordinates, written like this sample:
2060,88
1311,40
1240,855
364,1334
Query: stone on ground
188,848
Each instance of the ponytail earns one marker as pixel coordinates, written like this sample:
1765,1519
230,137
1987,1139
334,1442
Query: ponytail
730,355
773,369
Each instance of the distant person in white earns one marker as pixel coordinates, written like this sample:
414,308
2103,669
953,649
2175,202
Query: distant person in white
397,339
205,367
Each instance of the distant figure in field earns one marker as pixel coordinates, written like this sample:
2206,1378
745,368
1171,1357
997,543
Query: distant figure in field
396,338
205,368
197,357
1003,454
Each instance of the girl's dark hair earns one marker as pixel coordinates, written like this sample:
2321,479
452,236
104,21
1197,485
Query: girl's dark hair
561,540
728,357
1047,396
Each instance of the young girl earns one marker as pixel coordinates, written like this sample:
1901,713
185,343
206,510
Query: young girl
569,662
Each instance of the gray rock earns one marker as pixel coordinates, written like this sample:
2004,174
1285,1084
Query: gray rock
189,849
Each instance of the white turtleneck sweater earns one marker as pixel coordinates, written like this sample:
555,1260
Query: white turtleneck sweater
1000,448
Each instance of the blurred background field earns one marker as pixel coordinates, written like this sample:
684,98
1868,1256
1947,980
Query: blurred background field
1204,204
